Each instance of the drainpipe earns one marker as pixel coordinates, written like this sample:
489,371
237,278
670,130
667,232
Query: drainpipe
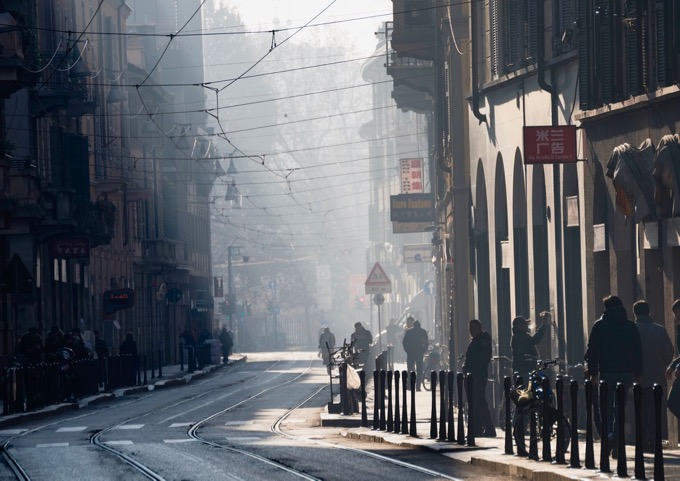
474,54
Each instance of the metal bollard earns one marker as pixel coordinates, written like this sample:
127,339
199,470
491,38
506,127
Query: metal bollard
574,461
376,395
404,409
604,441
413,431
507,382
390,418
433,415
364,415
559,443
469,385
621,464
658,452
442,405
461,423
545,432
191,362
383,376
590,451
397,419
639,453
449,384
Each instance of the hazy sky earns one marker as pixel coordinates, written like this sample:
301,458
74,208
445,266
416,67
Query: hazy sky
352,15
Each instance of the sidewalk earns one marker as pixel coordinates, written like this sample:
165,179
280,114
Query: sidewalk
172,376
490,452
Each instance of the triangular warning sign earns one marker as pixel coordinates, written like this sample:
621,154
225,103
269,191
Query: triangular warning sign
377,277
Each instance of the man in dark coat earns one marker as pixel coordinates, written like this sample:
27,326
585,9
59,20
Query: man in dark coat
477,358
227,344
614,355
657,350
415,344
523,344
129,347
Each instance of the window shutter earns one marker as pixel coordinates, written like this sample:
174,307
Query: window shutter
660,43
604,52
632,24
567,35
447,90
584,24
532,32
495,26
511,34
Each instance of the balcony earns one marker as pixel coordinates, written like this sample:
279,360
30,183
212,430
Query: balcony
413,83
414,29
13,75
159,255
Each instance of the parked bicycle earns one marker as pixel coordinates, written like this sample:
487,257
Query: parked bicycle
433,362
529,403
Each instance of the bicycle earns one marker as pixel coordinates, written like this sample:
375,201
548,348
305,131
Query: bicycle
530,410
434,363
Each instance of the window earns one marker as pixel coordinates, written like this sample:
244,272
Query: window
514,35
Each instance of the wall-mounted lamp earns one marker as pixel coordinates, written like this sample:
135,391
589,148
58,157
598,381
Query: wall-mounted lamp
116,95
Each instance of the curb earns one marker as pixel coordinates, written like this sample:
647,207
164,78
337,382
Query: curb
19,418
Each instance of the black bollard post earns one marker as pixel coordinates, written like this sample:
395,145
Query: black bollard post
507,382
160,363
461,422
621,463
442,405
433,415
469,386
574,461
639,450
559,443
383,377
376,400
545,431
153,366
590,450
449,384
404,408
144,360
364,414
533,441
658,452
390,417
191,362
397,418
604,430
181,357
413,431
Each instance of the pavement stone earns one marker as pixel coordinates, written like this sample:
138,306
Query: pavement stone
490,452
173,375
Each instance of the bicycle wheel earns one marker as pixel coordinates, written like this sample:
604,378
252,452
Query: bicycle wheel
522,430
427,372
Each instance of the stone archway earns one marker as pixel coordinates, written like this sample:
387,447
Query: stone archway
571,329
520,239
481,250
503,263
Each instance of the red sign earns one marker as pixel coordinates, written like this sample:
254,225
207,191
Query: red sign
412,181
550,145
70,248
117,299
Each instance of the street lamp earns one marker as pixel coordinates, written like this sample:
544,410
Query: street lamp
233,195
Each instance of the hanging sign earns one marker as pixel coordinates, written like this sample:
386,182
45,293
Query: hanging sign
550,145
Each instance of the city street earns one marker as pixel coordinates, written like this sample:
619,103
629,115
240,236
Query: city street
254,420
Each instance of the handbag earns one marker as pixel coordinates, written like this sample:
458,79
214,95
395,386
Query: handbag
674,398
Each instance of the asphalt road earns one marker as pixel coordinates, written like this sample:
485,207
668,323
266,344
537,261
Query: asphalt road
253,421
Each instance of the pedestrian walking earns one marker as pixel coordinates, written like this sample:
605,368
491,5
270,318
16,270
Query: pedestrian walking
362,339
53,341
415,344
326,346
614,355
129,347
523,344
477,359
227,343
30,348
657,353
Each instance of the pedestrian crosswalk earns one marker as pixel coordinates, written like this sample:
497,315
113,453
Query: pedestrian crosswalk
65,430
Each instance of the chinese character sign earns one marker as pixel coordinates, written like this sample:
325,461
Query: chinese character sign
411,176
550,145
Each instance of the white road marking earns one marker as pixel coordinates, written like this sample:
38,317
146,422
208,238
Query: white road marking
180,425
244,438
52,445
73,429
12,432
183,440
238,423
118,443
130,426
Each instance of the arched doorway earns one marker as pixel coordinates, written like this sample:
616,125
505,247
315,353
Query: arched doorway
520,239
481,250
572,328
501,245
541,261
